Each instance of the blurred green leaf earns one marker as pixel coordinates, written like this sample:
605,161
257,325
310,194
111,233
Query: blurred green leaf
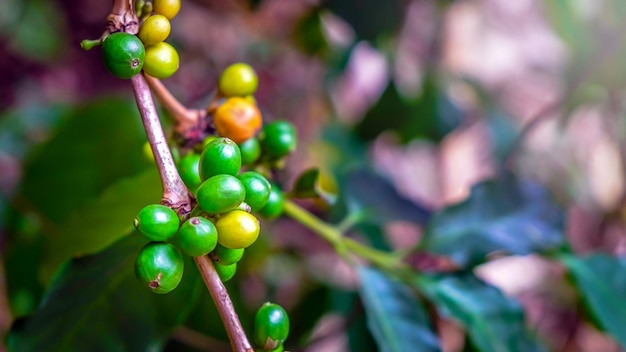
377,200
95,303
395,317
306,184
494,322
97,225
503,134
504,214
95,145
430,116
369,19
38,34
601,280
308,34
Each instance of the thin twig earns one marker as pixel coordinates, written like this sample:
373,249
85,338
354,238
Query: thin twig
185,118
198,340
175,194
236,334
5,312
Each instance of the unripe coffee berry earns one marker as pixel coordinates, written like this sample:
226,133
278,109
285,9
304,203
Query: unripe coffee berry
271,326
257,189
154,29
167,8
225,272
250,151
196,237
278,139
275,203
189,169
161,60
159,266
220,193
238,80
220,156
123,54
226,256
157,222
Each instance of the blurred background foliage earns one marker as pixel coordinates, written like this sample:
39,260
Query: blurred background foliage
484,139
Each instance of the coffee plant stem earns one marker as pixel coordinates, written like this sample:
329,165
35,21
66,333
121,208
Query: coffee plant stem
224,305
343,245
185,118
175,194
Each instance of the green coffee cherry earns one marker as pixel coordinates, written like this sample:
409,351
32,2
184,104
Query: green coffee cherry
257,189
271,326
278,139
159,266
275,203
250,151
161,60
220,156
226,256
220,193
123,54
196,237
157,222
226,272
238,80
189,169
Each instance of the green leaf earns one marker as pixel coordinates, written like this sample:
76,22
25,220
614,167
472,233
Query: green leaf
494,322
395,317
95,303
94,146
306,184
97,225
601,280
367,193
368,18
505,214
430,116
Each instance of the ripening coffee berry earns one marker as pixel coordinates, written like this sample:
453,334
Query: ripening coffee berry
226,272
237,229
237,119
250,151
275,203
167,8
161,60
196,237
157,222
278,139
271,326
226,256
159,266
238,80
220,193
220,156
154,29
257,189
123,54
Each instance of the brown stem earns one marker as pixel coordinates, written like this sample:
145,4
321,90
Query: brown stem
175,194
122,18
236,334
185,118
5,312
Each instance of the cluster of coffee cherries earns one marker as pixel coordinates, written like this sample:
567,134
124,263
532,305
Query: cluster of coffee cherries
228,182
125,54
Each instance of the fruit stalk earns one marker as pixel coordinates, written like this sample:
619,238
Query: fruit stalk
236,334
185,118
175,193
